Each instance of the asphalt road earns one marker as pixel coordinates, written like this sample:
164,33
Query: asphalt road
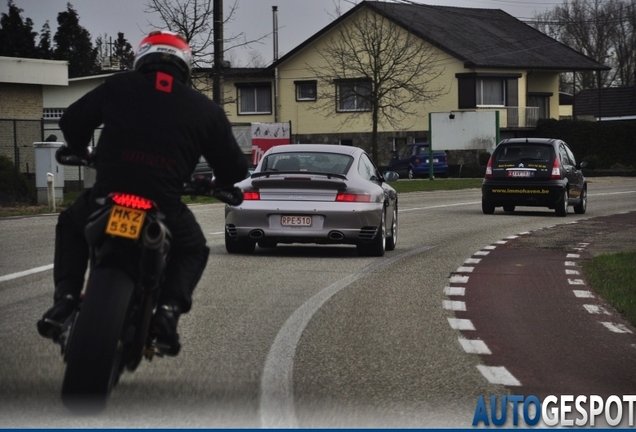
299,336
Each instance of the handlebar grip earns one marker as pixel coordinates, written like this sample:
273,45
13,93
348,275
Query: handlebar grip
233,196
65,156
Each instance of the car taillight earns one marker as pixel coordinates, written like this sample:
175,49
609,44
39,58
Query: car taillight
131,201
489,168
556,170
251,196
352,197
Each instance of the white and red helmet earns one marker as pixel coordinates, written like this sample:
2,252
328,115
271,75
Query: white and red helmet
162,47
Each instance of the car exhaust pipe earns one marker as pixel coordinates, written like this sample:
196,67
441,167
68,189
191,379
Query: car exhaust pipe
257,234
336,235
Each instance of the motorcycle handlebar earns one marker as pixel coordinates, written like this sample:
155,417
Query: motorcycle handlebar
206,186
65,156
199,185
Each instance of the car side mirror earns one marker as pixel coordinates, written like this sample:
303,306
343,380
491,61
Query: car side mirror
390,176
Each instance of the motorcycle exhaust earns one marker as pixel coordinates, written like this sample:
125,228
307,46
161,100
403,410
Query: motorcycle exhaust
155,241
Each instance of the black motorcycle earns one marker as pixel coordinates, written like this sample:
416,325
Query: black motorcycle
109,331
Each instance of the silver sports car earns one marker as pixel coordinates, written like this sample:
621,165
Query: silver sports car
315,193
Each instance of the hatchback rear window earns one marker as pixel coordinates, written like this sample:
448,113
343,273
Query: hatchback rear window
524,152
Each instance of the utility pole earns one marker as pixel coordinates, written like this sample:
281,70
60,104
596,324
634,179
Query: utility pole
217,65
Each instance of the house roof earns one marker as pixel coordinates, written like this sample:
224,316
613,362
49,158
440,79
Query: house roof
481,38
616,103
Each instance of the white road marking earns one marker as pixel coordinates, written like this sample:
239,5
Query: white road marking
26,272
498,375
454,305
570,264
472,261
595,309
490,247
454,291
474,346
461,324
458,279
576,281
481,253
616,328
571,255
276,408
572,272
465,269
583,293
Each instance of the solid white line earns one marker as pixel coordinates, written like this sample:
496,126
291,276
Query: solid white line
439,206
498,375
276,407
26,273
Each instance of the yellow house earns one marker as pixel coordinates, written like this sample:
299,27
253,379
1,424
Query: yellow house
406,60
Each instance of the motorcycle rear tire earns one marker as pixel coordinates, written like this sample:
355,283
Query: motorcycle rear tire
93,360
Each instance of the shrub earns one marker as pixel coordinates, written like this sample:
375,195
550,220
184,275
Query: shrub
14,187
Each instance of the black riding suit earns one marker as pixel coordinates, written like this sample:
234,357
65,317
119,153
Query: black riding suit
154,131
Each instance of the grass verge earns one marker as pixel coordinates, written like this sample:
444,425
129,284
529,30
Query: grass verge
613,277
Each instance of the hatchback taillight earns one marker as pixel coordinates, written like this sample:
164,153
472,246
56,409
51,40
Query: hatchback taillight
352,197
251,196
556,170
489,168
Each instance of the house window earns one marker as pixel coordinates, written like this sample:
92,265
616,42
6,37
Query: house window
353,96
305,90
487,90
491,92
52,113
255,99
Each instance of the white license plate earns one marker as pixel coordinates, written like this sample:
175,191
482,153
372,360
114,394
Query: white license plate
295,220
520,173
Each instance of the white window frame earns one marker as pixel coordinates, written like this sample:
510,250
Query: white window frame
255,92
305,87
52,113
479,92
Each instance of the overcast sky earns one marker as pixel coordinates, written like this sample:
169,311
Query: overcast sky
297,19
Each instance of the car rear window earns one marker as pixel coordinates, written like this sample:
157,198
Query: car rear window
525,152
308,162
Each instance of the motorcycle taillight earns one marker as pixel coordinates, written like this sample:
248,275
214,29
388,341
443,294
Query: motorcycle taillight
131,201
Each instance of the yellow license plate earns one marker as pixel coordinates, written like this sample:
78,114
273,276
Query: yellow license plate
125,222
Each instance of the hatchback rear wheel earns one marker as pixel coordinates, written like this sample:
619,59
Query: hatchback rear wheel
487,207
581,207
561,208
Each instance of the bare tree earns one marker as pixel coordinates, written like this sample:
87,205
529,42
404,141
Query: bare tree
599,29
624,58
382,72
193,19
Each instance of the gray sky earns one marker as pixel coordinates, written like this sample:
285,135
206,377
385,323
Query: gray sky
297,19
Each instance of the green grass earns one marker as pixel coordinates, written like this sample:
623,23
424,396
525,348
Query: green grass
426,185
613,277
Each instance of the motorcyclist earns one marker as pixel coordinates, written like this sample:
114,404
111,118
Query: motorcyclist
155,128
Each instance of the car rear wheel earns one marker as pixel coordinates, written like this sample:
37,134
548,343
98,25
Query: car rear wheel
391,241
377,246
509,208
487,207
238,246
581,207
561,208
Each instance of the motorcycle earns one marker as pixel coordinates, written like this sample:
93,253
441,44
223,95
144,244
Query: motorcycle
109,331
